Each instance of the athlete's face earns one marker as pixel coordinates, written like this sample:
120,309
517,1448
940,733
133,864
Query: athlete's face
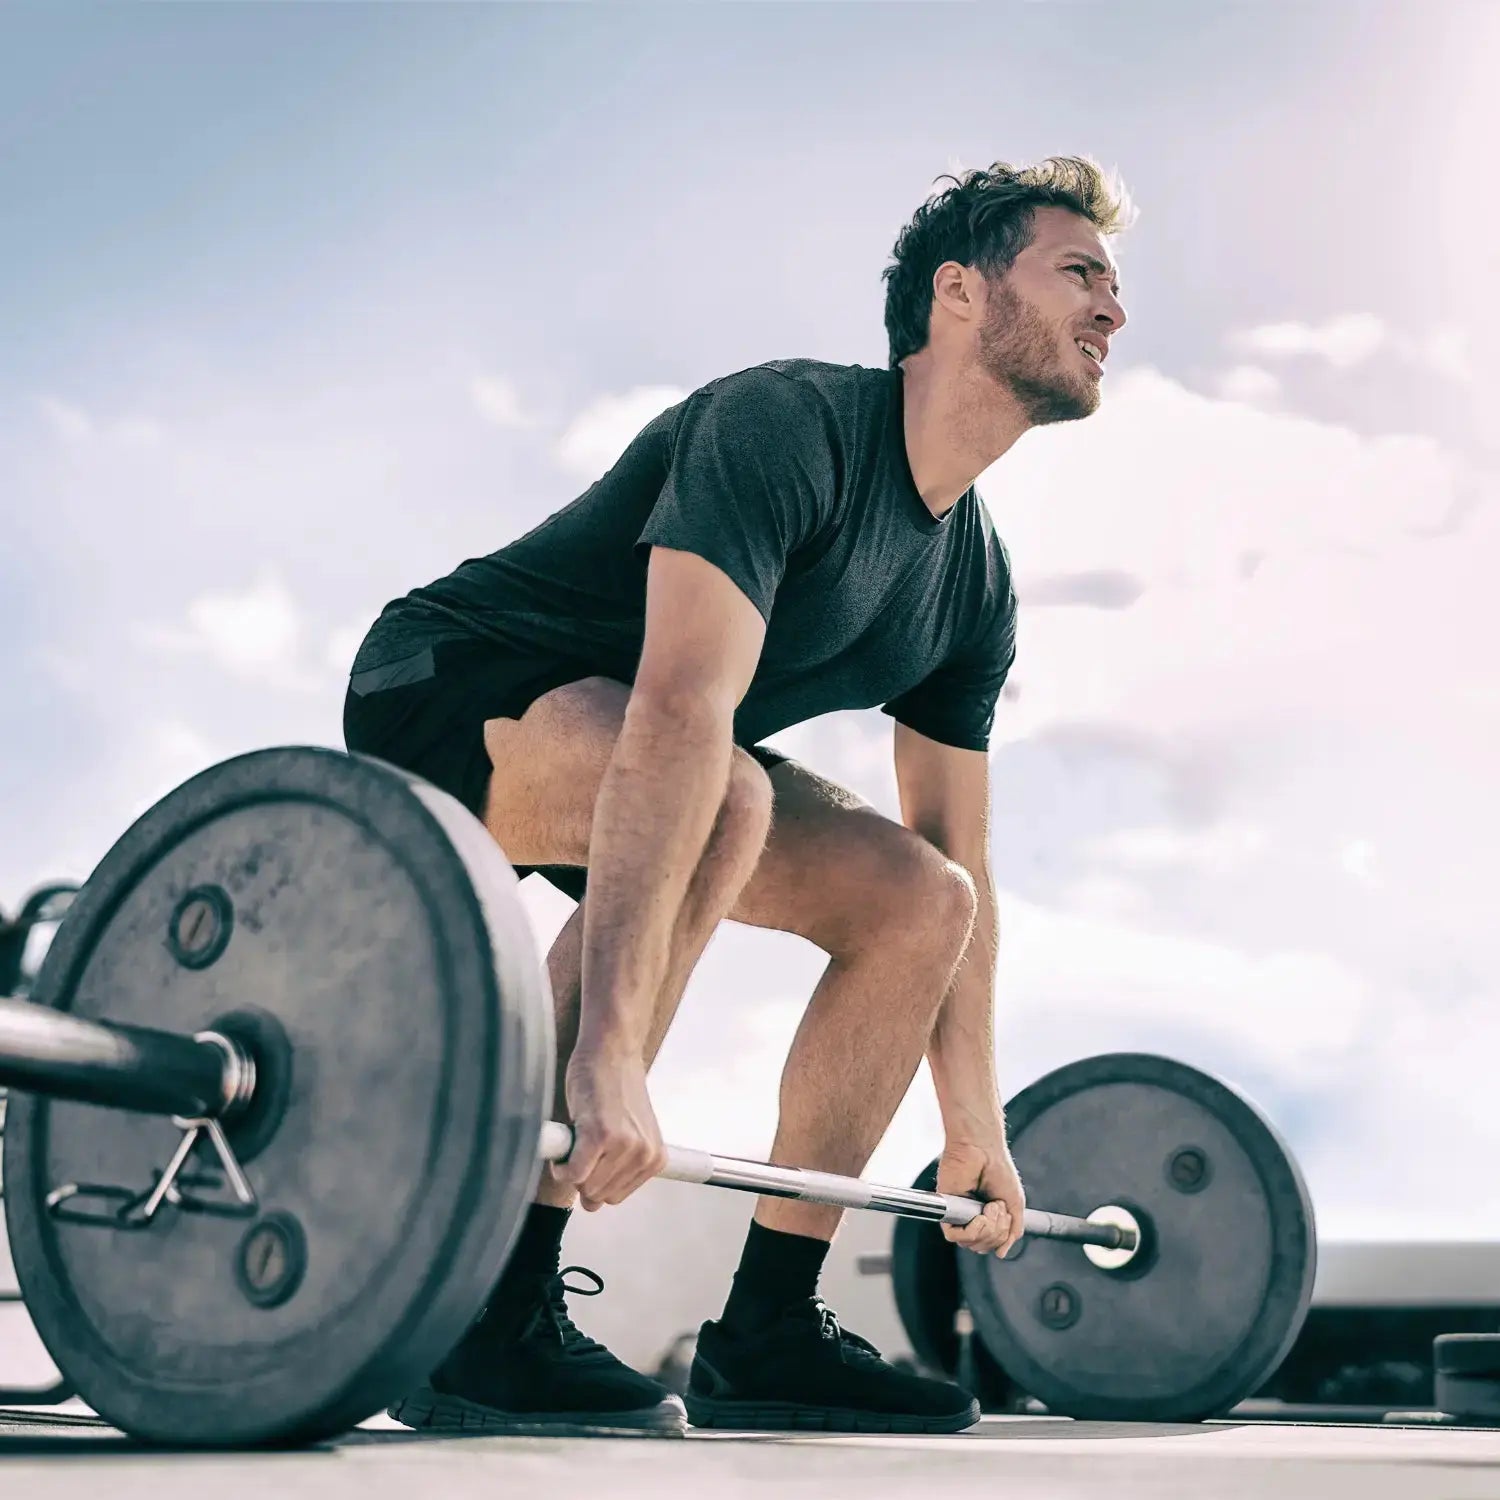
1062,290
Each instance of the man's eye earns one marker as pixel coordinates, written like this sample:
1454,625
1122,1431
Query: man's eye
1084,269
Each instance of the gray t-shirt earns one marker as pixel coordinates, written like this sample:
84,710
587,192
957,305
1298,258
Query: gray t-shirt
792,478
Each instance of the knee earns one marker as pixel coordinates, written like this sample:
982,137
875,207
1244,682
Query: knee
931,900
744,818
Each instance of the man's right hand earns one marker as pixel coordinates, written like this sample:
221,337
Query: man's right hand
617,1144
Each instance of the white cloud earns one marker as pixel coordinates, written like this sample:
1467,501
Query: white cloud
175,747
149,757
1412,1155
1289,1014
255,633
139,432
1249,383
499,402
1454,353
343,643
1216,850
71,423
1342,342
1447,350
1358,860
1107,898
1282,579
603,430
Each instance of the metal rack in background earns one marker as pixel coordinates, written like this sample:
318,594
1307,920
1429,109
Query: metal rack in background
45,905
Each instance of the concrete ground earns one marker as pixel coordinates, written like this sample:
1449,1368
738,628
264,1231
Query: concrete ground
46,1455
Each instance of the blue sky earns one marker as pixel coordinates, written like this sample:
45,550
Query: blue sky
301,305
237,170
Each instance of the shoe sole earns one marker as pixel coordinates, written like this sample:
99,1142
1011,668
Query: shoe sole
791,1416
427,1410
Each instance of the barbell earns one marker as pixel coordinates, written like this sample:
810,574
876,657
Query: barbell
281,1109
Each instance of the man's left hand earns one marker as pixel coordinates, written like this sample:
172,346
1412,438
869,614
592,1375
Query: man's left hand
984,1170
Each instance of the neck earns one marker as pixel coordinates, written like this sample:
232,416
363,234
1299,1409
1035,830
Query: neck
957,422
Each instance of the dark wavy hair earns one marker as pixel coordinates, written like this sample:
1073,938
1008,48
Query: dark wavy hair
985,220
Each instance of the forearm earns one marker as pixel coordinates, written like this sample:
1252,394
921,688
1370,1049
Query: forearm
961,1050
655,810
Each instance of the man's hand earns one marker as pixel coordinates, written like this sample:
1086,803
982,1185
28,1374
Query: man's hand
985,1171
617,1144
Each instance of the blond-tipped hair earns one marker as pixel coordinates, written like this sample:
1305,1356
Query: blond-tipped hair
985,220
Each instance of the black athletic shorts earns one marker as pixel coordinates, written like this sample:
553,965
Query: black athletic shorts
426,713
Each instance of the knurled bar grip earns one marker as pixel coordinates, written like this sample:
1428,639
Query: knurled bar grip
686,1165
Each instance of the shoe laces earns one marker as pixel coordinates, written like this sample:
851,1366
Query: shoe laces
852,1348
554,1310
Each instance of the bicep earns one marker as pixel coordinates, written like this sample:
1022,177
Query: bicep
703,635
945,794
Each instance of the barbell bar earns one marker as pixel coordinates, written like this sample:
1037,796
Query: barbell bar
123,1067
210,1075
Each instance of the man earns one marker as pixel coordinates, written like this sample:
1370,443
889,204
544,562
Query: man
796,538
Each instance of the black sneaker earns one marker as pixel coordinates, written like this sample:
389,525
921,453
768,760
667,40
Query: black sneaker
804,1372
524,1368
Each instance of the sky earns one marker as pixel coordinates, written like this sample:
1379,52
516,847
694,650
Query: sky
300,306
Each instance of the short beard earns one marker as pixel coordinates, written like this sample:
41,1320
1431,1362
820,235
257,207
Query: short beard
1019,352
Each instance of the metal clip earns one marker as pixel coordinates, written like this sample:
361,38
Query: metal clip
137,1210
59,1199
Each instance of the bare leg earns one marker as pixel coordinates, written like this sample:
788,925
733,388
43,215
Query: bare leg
895,917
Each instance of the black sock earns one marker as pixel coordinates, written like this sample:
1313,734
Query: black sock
776,1270
537,1251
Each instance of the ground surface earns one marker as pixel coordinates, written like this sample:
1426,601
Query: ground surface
76,1458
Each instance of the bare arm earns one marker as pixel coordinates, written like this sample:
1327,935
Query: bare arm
661,791
945,796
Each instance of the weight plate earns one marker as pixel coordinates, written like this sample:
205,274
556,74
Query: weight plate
374,928
1467,1354
1475,1397
1209,1311
924,1277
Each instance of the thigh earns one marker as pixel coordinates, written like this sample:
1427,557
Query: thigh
834,869
433,711
545,766
425,710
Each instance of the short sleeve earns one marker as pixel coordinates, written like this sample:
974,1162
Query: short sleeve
955,703
751,480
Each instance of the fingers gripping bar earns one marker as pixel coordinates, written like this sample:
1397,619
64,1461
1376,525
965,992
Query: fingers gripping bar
687,1165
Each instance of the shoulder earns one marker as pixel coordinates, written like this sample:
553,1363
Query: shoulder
774,418
754,408
809,392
